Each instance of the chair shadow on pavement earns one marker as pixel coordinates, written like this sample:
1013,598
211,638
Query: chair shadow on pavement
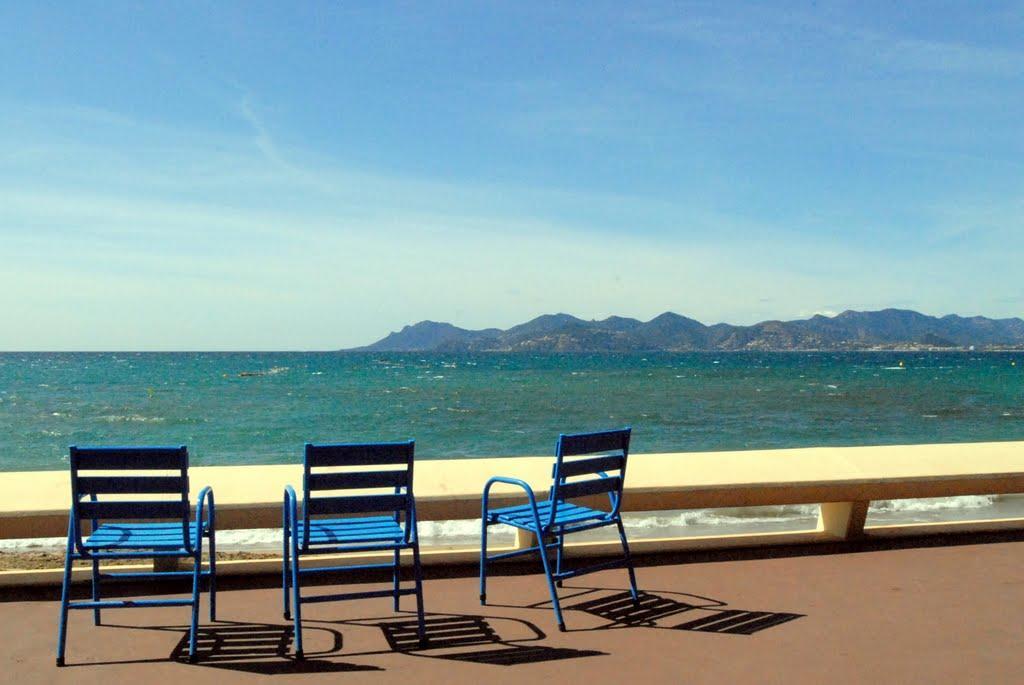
267,649
469,638
261,648
656,609
474,639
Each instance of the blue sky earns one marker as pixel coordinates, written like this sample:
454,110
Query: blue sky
313,176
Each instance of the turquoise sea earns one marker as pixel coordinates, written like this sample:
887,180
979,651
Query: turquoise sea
259,408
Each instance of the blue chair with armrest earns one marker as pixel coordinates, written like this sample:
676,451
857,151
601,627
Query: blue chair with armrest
586,464
342,526
156,480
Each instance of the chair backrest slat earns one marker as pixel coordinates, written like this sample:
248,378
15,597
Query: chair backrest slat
595,486
591,443
134,485
612,462
132,510
133,467
358,479
133,458
355,504
374,454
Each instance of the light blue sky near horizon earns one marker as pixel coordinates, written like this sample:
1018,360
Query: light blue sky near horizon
312,176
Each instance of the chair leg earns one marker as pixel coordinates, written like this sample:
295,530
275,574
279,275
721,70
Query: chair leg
418,574
629,563
394,579
558,559
65,593
483,561
551,583
297,600
213,575
197,569
96,590
285,586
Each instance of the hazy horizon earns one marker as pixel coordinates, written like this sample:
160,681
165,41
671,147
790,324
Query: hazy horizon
313,177
407,324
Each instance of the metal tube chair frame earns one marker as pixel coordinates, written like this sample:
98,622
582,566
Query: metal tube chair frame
354,531
125,539
552,519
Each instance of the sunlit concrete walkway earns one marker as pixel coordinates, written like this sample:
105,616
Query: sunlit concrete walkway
924,614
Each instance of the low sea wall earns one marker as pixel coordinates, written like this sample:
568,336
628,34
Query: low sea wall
843,480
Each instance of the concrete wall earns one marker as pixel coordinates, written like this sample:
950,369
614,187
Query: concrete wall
844,480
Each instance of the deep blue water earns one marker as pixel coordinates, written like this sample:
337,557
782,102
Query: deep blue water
242,408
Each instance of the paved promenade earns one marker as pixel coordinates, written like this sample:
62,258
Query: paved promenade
912,615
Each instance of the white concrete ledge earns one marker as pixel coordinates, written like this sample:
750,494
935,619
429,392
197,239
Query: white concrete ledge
844,480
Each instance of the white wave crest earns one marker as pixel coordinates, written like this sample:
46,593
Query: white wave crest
132,418
934,504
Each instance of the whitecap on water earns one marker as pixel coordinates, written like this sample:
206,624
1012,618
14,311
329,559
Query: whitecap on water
131,418
934,504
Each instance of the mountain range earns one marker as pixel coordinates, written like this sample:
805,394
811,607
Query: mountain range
851,330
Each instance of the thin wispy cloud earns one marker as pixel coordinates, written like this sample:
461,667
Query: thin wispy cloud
732,164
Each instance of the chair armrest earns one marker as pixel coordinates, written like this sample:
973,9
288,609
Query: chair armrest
207,523
412,533
509,481
518,483
290,510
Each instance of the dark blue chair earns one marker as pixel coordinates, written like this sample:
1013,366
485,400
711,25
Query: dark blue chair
327,468
101,478
552,519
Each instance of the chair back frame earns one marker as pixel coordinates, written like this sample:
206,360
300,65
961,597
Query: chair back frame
129,460
612,448
399,479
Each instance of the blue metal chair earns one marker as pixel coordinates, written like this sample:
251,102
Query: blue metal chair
327,468
115,472
554,518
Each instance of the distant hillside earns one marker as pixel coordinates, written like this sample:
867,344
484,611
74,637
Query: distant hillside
886,329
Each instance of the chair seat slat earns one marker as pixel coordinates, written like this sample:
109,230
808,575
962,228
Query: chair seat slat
361,523
521,516
327,531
